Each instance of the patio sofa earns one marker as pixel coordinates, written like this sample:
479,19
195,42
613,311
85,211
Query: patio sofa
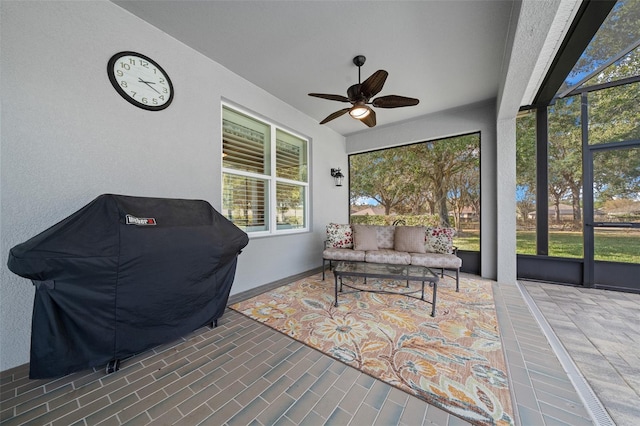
399,245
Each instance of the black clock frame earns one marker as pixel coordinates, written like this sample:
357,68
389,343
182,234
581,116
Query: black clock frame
123,93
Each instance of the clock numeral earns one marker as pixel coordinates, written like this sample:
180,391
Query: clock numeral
144,63
162,81
165,90
119,73
161,98
125,66
155,101
133,94
123,84
132,61
145,101
155,71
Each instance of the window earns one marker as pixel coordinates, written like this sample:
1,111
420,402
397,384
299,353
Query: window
611,54
435,183
526,182
564,173
614,113
265,185
581,154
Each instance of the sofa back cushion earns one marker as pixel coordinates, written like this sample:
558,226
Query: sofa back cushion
365,237
339,236
386,236
410,239
439,240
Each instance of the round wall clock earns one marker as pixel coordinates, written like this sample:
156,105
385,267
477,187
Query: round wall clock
140,80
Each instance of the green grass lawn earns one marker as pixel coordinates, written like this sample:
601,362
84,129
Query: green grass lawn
561,244
611,245
469,241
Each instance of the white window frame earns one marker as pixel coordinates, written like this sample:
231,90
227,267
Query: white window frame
271,178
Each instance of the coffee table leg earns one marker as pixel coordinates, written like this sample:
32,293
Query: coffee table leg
335,277
433,304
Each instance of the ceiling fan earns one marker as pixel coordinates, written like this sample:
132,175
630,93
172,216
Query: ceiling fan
359,96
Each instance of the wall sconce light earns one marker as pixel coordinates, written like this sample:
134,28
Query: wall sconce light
337,176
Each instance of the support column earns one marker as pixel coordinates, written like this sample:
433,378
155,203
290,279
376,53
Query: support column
506,200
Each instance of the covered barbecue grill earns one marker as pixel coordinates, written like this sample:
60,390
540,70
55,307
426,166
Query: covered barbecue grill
124,274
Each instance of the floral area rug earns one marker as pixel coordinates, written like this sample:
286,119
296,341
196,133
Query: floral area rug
453,361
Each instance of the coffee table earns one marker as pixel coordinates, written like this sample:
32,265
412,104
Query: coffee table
388,272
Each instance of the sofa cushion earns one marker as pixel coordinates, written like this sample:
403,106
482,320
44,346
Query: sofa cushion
343,254
339,236
436,260
410,239
364,237
386,236
439,240
388,256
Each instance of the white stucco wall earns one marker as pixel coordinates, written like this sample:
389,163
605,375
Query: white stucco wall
67,137
471,118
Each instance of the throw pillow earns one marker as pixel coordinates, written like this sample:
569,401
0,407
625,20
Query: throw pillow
339,236
439,240
385,236
364,237
409,239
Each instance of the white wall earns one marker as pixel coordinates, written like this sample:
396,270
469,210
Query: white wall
472,118
67,137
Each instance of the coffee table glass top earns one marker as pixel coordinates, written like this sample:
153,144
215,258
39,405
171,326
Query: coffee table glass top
384,270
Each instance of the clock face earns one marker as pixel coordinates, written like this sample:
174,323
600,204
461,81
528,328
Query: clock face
140,80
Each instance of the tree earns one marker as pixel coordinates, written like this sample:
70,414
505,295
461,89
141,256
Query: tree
614,113
440,161
565,154
526,204
617,175
618,31
614,116
374,175
526,164
419,177
557,191
464,192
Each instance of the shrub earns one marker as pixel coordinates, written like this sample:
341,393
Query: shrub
407,220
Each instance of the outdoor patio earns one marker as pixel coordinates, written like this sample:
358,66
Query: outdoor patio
244,372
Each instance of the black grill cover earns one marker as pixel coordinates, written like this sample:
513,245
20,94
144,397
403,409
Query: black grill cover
124,274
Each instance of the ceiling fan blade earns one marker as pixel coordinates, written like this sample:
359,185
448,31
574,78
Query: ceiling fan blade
370,120
335,115
330,97
394,101
374,83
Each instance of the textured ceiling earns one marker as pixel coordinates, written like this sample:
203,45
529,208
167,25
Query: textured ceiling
445,53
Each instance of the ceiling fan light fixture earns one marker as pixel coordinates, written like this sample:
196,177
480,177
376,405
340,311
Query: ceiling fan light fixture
359,111
360,94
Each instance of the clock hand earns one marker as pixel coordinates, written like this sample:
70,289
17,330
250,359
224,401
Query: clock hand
147,83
